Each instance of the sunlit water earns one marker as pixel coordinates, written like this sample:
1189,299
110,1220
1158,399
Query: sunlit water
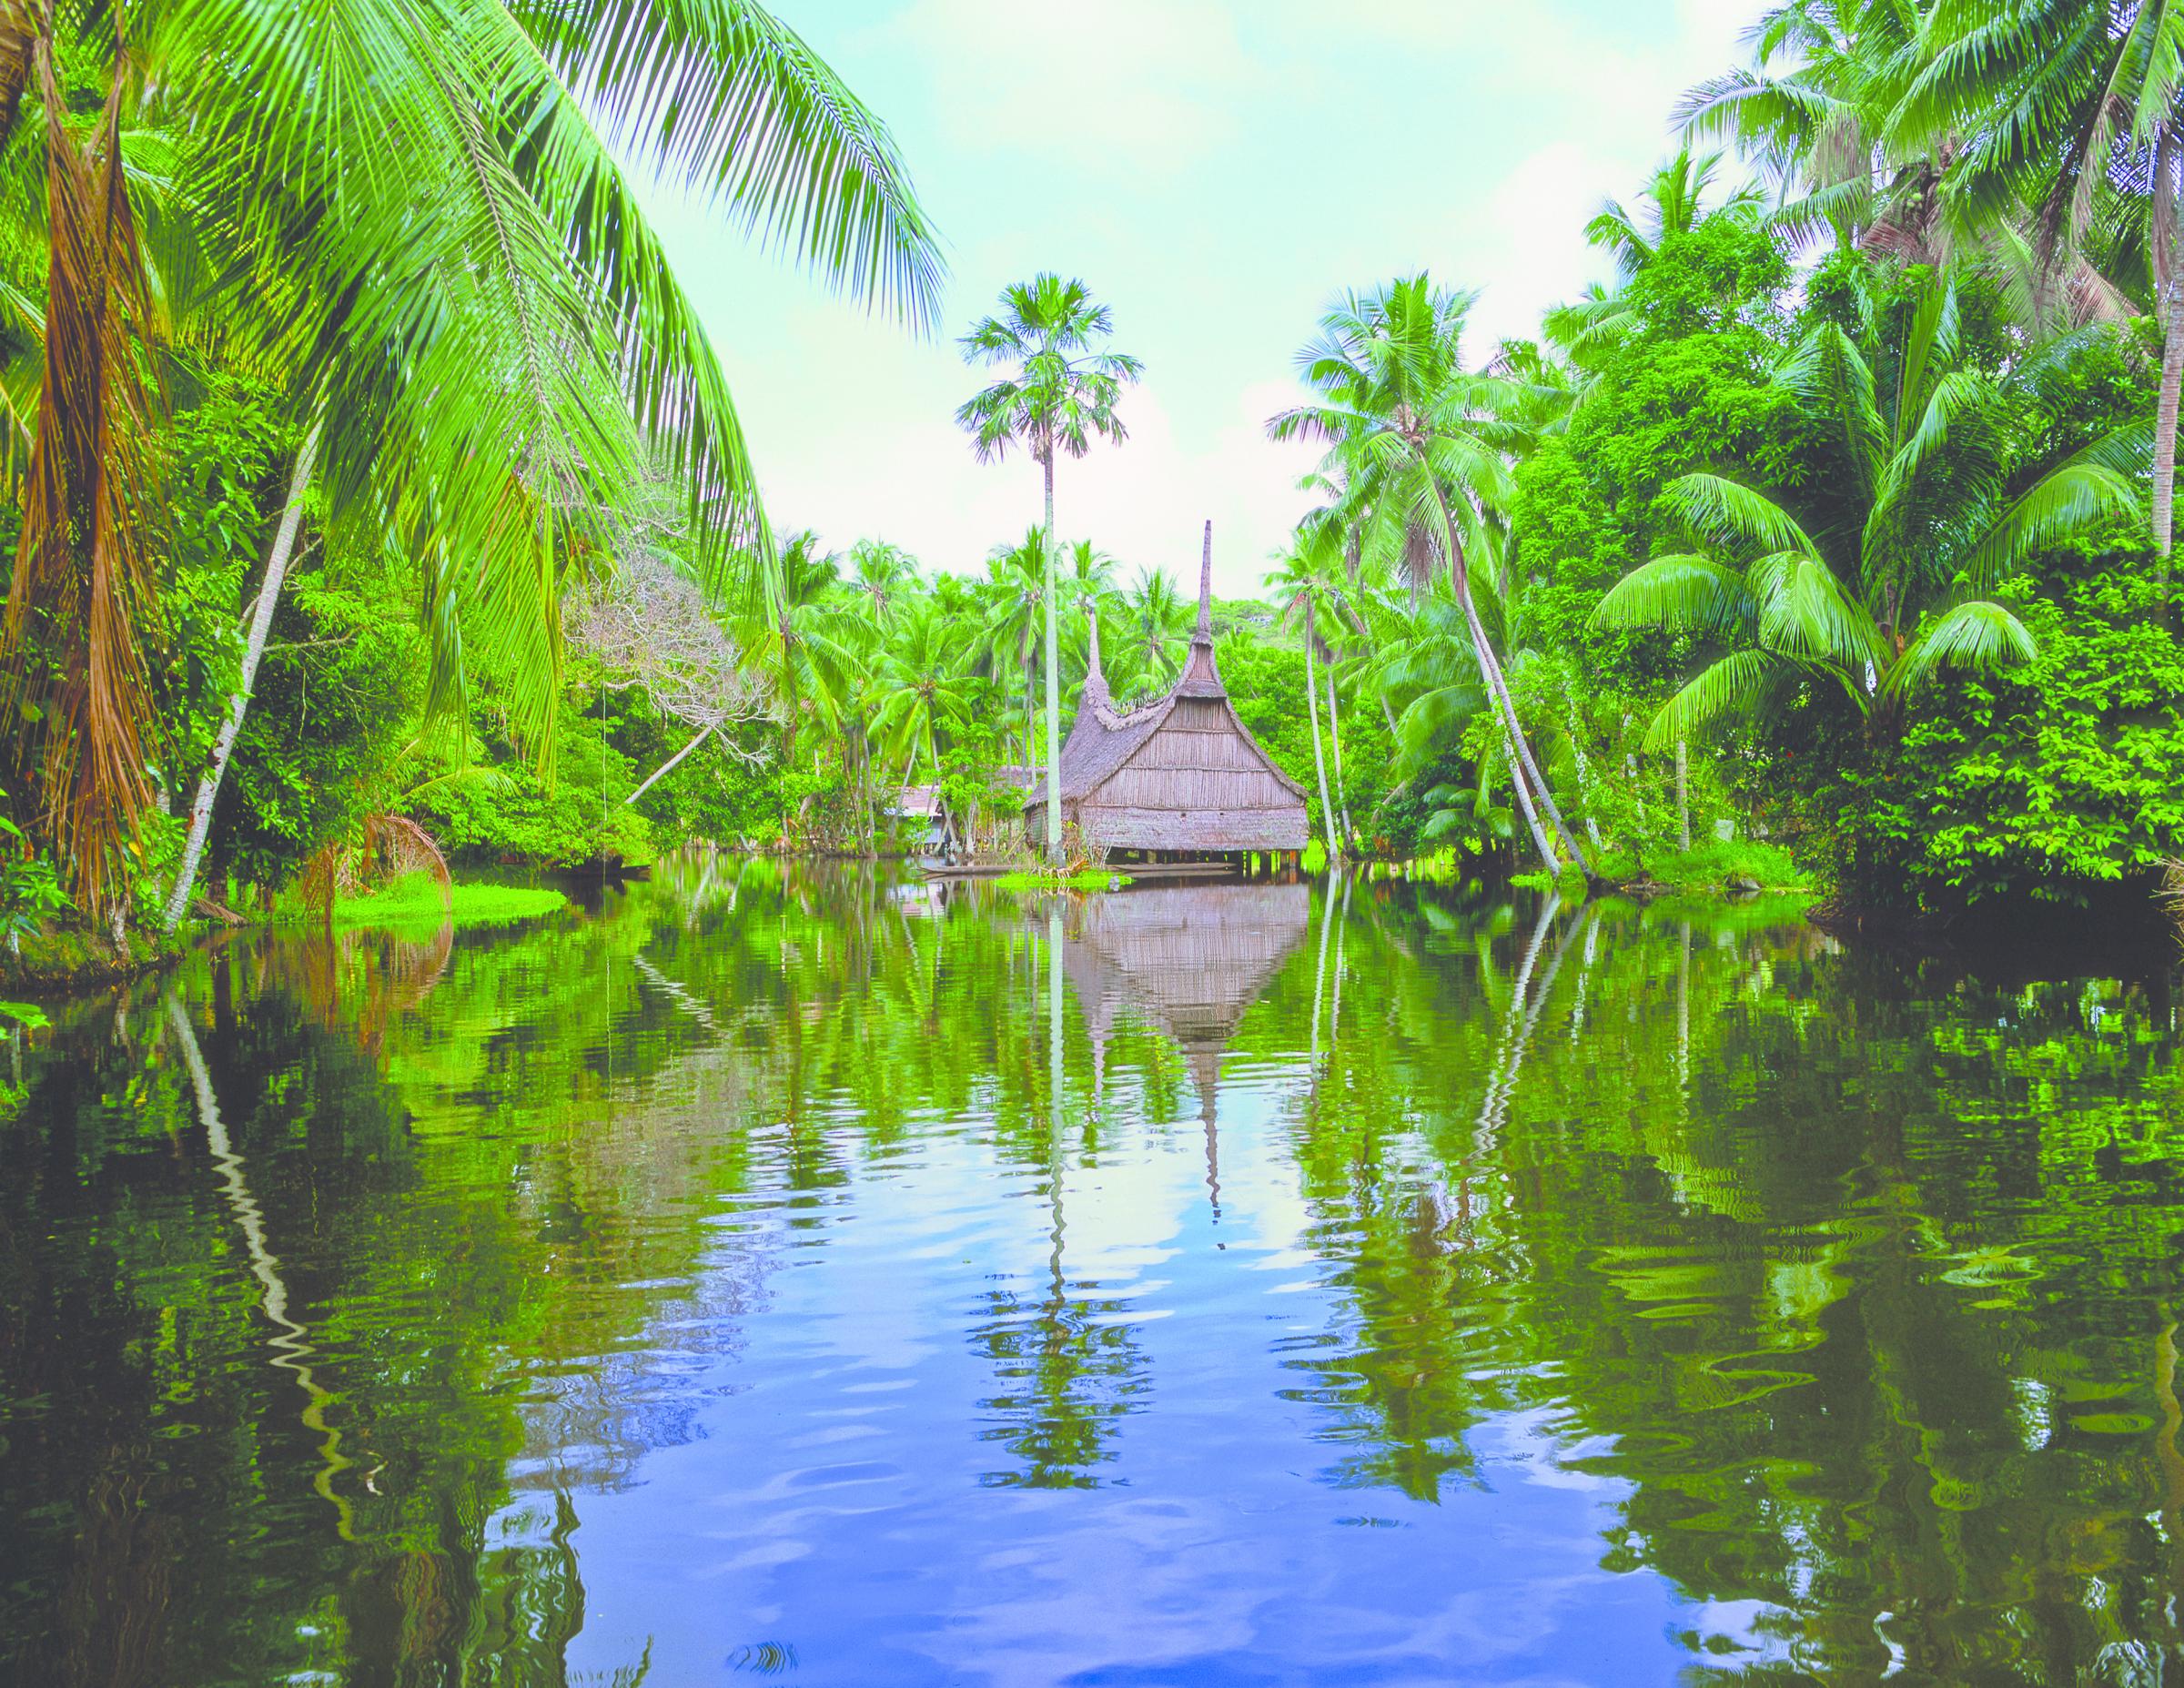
810,1276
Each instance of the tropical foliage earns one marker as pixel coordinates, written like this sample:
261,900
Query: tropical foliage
1877,398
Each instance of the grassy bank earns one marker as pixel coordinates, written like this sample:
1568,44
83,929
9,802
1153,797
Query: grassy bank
416,901
1090,879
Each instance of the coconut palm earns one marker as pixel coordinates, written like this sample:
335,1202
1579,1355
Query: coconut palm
925,690
802,641
2062,105
1671,205
1810,109
1059,395
884,578
1424,447
1006,643
1087,576
1157,617
1830,132
1303,584
1877,609
485,380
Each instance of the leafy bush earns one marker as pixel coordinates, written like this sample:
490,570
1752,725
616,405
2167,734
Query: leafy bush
2060,776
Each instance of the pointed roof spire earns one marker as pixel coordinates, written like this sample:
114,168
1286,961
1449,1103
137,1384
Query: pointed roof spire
1205,627
1201,678
1096,678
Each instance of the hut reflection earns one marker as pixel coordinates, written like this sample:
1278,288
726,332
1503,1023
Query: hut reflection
1189,961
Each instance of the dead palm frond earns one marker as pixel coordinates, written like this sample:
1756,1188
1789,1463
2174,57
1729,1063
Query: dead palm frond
82,595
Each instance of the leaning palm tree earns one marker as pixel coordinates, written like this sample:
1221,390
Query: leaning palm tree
1060,395
1875,610
1425,448
421,213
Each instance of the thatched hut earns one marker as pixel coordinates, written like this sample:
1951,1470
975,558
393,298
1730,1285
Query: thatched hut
1180,776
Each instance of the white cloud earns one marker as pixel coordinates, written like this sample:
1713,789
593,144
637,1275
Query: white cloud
1217,169
1131,81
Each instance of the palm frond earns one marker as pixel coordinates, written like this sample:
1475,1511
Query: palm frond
1736,685
1975,635
1730,514
1684,593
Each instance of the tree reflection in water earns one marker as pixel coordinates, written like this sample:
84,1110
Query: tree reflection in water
1851,1281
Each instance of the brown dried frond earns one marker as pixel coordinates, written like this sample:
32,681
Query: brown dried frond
325,876
23,24
83,582
395,845
2171,893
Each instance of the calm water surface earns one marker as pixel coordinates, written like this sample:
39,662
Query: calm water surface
781,1275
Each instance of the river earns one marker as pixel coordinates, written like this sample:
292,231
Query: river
816,1275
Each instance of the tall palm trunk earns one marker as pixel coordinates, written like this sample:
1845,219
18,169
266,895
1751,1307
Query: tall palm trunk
2165,429
254,651
1311,700
2161,236
1585,775
1490,669
1512,731
1334,731
1683,794
1053,684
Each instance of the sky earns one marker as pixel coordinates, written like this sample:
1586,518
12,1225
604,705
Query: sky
1217,171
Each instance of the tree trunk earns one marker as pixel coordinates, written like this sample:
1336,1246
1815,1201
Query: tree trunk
1512,731
2168,288
1334,731
696,739
1311,700
254,651
1054,686
1585,775
2165,432
1683,795
1491,666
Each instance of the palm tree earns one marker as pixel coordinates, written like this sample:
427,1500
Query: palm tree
925,690
2061,103
1060,395
1878,609
1814,129
1157,617
1007,639
1671,205
802,643
1088,580
1303,582
1829,133
487,381
885,577
1425,446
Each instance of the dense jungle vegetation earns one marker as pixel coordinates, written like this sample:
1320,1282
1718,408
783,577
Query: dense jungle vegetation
348,537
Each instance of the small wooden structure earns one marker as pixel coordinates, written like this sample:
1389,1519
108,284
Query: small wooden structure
925,825
1181,775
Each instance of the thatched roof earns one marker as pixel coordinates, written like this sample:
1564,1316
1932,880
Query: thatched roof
1181,772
